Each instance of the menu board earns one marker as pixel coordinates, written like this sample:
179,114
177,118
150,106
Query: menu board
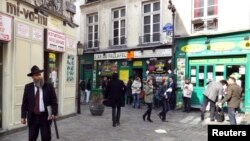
180,71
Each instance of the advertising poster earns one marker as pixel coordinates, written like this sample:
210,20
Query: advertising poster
70,68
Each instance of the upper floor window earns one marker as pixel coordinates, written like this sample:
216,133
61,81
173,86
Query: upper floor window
205,15
119,26
92,24
151,22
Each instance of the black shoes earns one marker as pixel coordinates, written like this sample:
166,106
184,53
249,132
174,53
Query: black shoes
114,124
160,116
143,117
149,120
202,116
117,123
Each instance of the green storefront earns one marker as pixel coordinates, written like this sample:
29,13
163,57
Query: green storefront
214,56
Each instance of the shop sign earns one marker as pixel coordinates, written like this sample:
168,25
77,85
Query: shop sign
70,43
70,7
23,30
55,41
193,48
16,10
137,63
222,46
244,44
151,53
5,27
37,34
110,56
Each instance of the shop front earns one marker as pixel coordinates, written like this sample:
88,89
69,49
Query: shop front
133,64
215,57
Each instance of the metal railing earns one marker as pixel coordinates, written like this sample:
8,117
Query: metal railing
148,39
120,42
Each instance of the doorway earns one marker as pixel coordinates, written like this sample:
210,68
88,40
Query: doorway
51,68
137,72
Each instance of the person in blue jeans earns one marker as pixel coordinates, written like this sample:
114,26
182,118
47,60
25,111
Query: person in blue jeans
136,90
164,98
233,99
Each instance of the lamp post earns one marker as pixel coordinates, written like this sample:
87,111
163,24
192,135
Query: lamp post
171,7
79,53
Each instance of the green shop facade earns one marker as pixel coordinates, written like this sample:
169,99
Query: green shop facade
131,63
216,57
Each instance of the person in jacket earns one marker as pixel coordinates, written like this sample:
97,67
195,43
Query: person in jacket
115,93
187,91
164,99
148,99
136,90
87,90
171,93
37,96
211,95
233,98
82,87
129,98
104,85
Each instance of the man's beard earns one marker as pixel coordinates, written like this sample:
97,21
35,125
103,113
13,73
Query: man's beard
39,83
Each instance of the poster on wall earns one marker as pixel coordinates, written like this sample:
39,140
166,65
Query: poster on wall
5,27
70,68
180,71
124,75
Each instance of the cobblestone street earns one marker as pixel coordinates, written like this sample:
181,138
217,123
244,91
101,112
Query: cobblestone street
85,127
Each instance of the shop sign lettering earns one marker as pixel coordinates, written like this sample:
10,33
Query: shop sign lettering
16,10
55,41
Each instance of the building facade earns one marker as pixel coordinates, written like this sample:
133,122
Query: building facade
213,43
40,33
131,38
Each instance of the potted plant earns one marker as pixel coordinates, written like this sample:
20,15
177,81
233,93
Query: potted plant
96,106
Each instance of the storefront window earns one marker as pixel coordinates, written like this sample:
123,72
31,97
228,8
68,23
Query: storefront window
51,68
201,76
193,75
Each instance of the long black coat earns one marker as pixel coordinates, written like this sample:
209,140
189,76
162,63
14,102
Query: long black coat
49,98
115,93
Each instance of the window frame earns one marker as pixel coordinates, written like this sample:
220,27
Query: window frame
205,19
119,20
94,40
151,14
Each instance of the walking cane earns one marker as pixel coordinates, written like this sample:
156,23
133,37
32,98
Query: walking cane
57,134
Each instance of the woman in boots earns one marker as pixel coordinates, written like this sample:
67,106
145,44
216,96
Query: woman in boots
148,99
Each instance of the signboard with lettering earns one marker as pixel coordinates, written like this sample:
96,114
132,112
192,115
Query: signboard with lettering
23,30
70,7
5,27
37,34
54,40
137,54
70,43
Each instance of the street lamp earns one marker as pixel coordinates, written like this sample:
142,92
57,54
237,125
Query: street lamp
80,49
171,7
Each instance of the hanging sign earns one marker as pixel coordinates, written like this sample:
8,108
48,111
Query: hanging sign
5,27
54,40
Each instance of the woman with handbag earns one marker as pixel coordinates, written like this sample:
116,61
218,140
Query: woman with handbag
148,98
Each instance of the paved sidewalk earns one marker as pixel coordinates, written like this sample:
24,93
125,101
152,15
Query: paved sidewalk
85,127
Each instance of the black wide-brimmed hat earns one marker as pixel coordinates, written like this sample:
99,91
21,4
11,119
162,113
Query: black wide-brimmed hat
34,70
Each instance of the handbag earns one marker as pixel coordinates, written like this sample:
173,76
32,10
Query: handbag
106,102
142,94
219,114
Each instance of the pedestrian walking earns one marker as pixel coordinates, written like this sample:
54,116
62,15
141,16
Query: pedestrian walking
88,90
104,85
211,93
37,96
115,94
233,99
136,90
187,91
129,98
148,88
171,93
83,88
164,99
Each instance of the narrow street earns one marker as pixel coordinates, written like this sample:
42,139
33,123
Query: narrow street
85,127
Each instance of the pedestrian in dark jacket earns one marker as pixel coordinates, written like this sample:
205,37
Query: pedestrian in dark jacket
129,98
104,85
115,93
88,90
164,98
38,95
82,87
171,93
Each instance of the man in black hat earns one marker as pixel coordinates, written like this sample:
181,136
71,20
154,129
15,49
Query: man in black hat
37,96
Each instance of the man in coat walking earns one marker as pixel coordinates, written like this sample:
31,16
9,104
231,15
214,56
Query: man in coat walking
115,93
37,96
233,98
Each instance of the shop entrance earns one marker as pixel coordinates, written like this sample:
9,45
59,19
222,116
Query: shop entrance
200,70
51,67
137,72
1,80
